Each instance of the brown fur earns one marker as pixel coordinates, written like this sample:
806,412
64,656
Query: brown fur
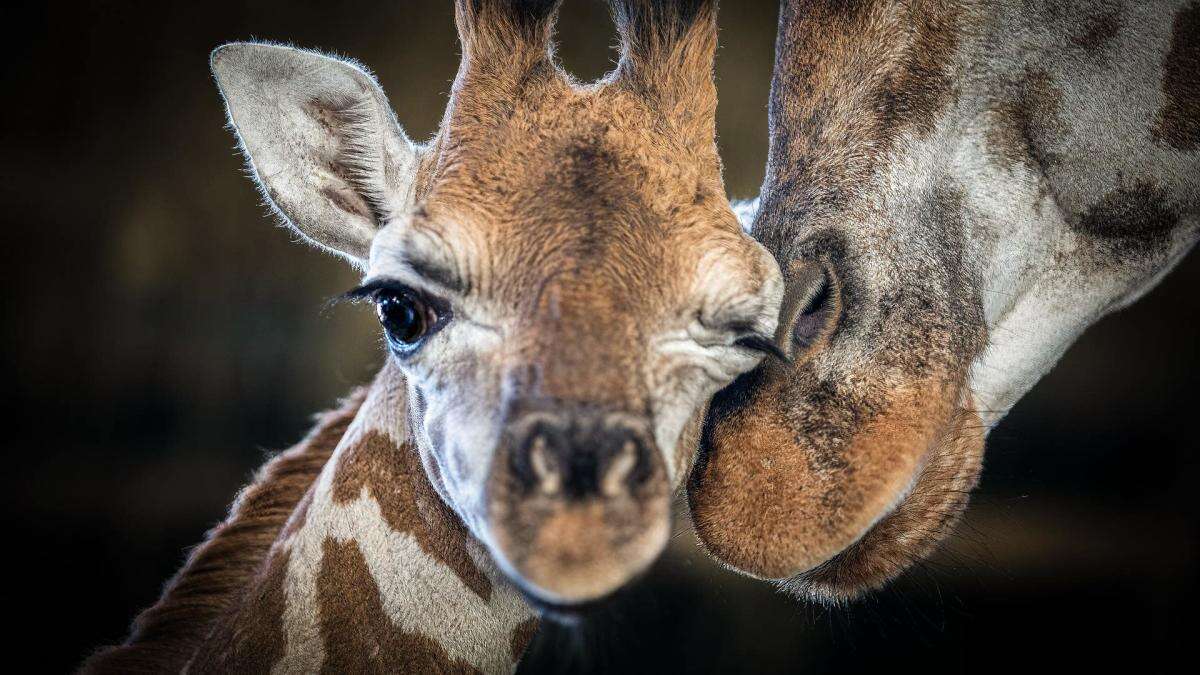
590,195
1032,112
919,227
797,465
859,75
166,635
784,507
588,209
521,638
358,635
914,527
1179,121
393,476
249,637
803,459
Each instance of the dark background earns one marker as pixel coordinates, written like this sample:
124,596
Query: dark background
160,333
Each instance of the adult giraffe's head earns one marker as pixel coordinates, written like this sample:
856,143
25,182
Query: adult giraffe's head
559,275
954,192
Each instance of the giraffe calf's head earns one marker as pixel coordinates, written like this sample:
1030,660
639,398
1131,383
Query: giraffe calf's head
559,275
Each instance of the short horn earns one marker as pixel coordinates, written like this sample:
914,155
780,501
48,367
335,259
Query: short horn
667,52
505,32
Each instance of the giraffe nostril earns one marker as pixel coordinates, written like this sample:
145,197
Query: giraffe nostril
536,458
811,308
545,467
576,458
620,466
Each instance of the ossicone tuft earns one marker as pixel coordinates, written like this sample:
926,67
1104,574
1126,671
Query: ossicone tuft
646,26
512,22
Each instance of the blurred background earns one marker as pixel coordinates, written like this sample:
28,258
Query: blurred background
161,334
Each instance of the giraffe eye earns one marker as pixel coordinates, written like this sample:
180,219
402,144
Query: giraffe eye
405,317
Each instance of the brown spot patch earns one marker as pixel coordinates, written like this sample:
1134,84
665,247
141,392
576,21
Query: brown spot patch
522,636
923,83
1142,213
1179,120
850,79
1021,123
394,477
357,632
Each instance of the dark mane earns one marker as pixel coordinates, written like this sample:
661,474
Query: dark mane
166,635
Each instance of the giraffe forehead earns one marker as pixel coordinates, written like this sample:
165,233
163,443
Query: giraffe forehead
590,181
575,250
589,149
552,112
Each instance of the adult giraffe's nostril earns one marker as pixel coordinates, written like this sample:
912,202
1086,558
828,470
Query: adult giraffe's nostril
577,457
812,306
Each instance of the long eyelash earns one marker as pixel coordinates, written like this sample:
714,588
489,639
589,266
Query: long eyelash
760,343
369,290
365,292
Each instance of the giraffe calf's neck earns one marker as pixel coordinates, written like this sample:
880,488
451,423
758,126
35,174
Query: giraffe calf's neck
348,561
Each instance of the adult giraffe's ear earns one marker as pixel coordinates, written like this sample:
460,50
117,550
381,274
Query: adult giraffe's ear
320,139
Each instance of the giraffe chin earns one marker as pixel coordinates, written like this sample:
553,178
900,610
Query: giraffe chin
908,532
570,557
831,565
574,614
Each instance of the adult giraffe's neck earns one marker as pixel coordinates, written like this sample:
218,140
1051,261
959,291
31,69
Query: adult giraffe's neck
340,556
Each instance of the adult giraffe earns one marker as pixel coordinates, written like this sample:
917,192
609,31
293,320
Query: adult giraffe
562,284
971,183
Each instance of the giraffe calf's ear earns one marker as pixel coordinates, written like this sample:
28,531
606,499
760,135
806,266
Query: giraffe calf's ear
321,141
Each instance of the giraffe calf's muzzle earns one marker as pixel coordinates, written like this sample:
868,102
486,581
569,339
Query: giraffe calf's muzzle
578,502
